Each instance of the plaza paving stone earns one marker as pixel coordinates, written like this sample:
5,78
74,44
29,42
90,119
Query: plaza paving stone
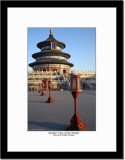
55,116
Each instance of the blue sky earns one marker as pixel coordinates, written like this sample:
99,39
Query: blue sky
80,44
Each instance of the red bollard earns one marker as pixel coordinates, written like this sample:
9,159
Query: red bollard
76,122
50,99
42,90
43,93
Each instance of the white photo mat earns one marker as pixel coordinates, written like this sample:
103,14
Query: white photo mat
104,138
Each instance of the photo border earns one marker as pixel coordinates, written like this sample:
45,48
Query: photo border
119,81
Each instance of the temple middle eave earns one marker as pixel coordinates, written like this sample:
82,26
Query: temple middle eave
50,53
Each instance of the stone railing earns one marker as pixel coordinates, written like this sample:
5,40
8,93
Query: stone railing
55,75
42,72
41,76
83,72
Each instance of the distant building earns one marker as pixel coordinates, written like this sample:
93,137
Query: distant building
85,74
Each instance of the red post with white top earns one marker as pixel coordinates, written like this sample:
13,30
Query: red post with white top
50,99
76,122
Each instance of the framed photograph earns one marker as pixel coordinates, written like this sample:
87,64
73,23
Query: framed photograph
51,77
62,72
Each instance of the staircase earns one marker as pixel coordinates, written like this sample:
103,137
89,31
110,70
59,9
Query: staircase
87,86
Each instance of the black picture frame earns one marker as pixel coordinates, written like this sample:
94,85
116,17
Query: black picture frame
119,79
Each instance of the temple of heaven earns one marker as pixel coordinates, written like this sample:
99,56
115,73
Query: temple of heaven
51,57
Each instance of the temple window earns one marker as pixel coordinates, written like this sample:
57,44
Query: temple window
45,47
53,46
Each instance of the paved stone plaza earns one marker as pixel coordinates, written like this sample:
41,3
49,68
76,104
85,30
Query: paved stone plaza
55,116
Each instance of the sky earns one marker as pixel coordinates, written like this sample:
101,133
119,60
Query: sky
80,44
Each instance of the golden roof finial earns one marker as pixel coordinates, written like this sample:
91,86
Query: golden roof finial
51,31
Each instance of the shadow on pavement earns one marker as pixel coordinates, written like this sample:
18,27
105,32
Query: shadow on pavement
48,125
38,101
89,93
37,95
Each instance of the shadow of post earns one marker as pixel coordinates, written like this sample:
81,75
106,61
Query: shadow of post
48,126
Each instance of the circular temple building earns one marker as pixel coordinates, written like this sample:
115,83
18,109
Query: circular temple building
51,57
